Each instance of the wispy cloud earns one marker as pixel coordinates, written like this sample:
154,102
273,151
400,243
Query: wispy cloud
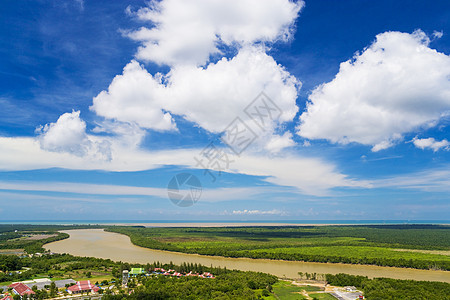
258,212
81,4
208,195
308,175
364,158
437,180
20,196
83,188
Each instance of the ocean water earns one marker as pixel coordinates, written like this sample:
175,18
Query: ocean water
269,222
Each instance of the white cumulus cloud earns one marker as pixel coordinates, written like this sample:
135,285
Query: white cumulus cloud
393,87
183,34
189,31
135,97
68,134
431,143
210,97
280,142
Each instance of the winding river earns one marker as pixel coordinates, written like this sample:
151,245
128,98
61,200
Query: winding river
118,247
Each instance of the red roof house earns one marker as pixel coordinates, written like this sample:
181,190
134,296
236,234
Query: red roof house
20,289
82,287
7,298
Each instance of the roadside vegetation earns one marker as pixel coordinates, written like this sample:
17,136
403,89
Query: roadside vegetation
374,245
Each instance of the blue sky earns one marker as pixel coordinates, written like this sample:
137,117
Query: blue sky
103,102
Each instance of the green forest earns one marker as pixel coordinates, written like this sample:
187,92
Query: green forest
414,246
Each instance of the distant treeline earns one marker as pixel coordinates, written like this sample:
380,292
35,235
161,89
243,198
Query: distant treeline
395,289
35,229
402,236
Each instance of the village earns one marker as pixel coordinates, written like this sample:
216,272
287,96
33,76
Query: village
71,289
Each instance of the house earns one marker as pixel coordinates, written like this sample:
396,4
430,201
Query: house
39,283
42,283
82,287
20,289
350,289
62,283
7,297
160,270
137,271
171,272
208,275
125,277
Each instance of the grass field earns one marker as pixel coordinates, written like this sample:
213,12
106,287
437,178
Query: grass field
322,296
310,288
356,252
285,290
416,246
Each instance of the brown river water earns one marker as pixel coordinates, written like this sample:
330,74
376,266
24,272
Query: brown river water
101,244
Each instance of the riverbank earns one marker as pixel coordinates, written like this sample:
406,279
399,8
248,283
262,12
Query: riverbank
363,245
118,247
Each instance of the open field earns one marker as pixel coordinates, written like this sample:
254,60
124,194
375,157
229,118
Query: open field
11,251
288,291
414,246
34,237
440,252
323,296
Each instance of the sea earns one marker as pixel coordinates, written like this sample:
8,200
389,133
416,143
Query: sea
222,222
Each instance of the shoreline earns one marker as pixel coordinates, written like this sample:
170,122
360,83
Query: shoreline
171,223
222,224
